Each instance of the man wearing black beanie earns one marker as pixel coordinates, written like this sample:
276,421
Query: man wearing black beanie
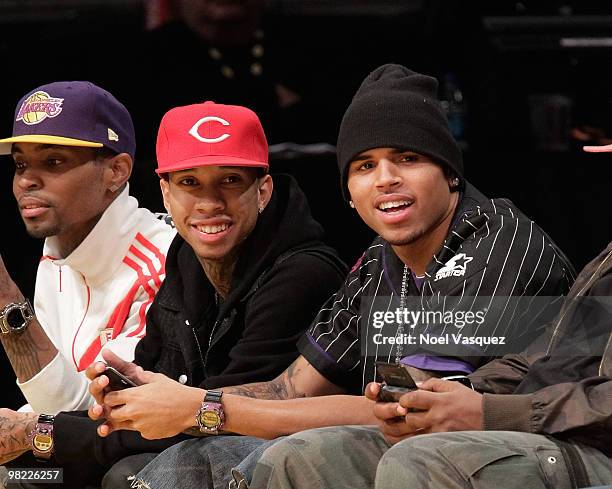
439,237
443,249
539,418
398,108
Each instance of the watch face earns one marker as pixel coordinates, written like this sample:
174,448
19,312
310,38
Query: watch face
210,419
43,443
15,319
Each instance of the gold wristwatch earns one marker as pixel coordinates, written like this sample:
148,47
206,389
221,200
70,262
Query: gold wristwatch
211,417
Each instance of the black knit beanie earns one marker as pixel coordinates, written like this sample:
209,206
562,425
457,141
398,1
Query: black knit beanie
396,108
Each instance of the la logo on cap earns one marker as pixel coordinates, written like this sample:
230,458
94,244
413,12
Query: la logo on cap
194,131
37,107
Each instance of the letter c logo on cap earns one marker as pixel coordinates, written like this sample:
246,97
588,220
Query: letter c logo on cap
194,130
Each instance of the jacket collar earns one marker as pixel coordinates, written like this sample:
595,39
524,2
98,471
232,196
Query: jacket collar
468,200
101,252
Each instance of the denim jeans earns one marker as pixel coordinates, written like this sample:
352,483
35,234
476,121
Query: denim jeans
201,463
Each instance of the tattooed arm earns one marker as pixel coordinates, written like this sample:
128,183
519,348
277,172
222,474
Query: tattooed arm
300,379
30,351
14,430
298,399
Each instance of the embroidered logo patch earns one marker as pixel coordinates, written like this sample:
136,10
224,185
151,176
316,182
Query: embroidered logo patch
106,335
38,106
194,131
455,267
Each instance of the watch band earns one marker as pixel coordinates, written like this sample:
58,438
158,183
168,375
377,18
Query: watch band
42,437
16,316
211,417
213,396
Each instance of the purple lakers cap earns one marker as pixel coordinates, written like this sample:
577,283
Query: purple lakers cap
76,113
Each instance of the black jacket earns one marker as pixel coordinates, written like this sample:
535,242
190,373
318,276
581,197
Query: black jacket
280,281
492,251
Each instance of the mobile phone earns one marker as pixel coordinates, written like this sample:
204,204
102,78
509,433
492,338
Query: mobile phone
117,381
462,379
396,381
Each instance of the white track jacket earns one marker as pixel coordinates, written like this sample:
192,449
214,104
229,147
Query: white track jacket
97,297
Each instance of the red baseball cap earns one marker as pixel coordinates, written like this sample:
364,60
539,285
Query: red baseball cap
210,134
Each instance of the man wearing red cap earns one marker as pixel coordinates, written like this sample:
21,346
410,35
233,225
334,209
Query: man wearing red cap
246,273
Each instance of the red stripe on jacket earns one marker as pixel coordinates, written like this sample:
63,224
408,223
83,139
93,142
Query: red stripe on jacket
120,314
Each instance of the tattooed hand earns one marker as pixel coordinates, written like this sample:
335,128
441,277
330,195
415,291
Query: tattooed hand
14,430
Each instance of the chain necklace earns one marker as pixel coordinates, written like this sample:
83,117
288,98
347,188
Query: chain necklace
399,350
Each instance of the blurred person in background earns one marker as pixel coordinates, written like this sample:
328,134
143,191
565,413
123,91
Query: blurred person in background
233,52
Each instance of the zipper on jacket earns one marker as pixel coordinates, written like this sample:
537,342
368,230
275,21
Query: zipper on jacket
603,356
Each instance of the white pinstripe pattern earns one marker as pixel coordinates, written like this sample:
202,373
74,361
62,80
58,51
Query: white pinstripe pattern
505,244
367,332
518,274
501,274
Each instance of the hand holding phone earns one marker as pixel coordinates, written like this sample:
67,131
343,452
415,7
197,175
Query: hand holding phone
117,381
396,381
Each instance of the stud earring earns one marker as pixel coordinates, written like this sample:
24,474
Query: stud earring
454,183
351,204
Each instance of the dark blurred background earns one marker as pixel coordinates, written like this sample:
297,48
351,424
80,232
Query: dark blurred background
525,85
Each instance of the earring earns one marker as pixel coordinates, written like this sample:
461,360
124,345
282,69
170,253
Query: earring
113,188
454,183
261,208
351,204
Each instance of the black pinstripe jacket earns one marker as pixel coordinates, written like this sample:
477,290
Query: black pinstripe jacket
491,251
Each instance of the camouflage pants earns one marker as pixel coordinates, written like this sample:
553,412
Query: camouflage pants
358,457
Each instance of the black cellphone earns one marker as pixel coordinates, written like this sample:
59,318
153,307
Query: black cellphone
462,379
117,381
396,381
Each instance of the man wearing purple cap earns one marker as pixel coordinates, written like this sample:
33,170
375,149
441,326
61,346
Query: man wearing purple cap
104,257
